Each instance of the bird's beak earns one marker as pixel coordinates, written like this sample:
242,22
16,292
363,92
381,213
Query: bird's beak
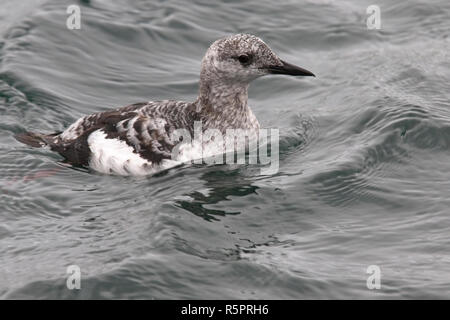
290,69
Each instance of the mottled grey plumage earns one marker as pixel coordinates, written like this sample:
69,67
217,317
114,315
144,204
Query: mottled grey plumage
228,67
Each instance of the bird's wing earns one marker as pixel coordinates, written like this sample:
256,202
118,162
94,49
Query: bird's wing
135,146
149,137
117,142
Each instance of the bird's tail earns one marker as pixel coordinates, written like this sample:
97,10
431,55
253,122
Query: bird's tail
36,140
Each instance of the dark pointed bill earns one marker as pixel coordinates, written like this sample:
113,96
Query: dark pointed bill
290,69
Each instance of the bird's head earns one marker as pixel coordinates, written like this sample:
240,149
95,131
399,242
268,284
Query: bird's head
242,58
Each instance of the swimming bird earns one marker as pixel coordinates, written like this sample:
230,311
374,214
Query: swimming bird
136,139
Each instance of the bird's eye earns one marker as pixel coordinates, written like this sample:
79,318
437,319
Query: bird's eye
244,59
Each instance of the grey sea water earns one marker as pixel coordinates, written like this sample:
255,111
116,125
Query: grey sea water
364,154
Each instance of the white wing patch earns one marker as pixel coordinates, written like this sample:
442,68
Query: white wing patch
114,156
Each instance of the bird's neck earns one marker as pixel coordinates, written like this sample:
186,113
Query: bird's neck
224,106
